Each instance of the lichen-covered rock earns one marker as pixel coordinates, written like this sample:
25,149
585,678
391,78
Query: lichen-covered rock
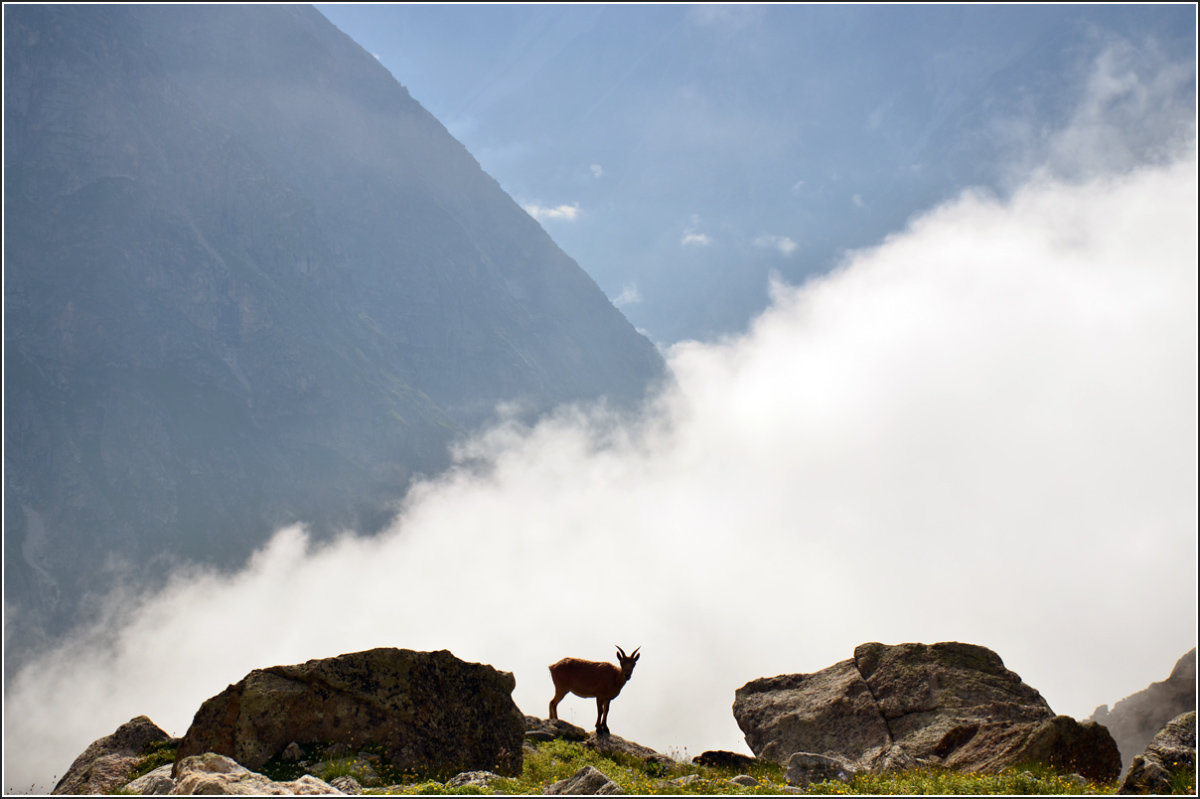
831,711
429,711
155,783
482,779
211,774
1171,754
588,781
106,764
892,707
805,768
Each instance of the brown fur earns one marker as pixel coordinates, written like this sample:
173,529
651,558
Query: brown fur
592,679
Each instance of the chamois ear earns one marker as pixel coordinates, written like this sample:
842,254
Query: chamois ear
621,651
635,654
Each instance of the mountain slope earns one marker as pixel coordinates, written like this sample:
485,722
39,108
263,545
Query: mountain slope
249,281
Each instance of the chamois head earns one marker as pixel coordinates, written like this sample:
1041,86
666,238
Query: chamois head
627,662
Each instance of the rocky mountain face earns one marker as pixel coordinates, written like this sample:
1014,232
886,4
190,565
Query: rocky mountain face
249,281
1137,718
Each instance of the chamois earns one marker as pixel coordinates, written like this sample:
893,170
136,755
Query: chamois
589,678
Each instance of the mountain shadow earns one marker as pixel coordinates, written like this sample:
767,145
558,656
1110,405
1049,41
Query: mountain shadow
249,281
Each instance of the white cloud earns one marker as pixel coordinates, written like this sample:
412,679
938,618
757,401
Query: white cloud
559,212
784,244
984,429
692,237
857,201
1128,115
726,17
975,431
630,295
597,171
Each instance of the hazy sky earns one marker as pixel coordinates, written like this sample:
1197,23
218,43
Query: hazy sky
684,154
981,429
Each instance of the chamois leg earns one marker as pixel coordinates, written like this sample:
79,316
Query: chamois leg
559,693
602,716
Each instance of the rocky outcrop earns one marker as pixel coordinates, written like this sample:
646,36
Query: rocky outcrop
892,707
537,729
107,763
548,729
610,745
1170,757
431,713
587,781
1138,718
156,783
211,774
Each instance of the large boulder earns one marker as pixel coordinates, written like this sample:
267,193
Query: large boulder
831,711
891,707
1170,757
431,713
1137,718
108,761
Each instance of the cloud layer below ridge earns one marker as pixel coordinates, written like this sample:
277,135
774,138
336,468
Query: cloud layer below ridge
983,429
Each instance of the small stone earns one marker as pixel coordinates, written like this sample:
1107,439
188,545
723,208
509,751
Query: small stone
347,784
586,781
481,778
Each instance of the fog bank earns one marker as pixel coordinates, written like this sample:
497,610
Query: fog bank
982,430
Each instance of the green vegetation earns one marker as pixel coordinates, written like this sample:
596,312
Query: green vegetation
1031,780
557,760
549,762
1183,777
368,765
159,753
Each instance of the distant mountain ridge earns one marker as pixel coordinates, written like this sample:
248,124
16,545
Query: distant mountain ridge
1136,719
249,281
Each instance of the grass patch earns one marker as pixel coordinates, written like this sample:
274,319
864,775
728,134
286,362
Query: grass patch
556,760
155,755
1033,780
548,762
1182,778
